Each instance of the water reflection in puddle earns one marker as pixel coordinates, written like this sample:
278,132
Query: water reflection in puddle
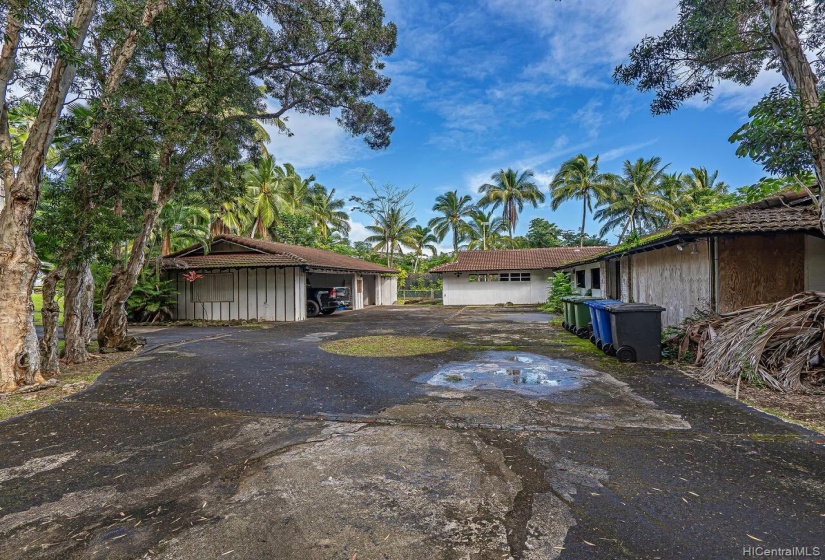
525,373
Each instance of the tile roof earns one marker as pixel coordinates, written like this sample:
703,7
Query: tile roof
269,253
514,259
229,260
786,212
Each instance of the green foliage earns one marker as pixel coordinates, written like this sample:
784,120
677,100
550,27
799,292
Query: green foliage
510,190
295,229
560,286
775,137
453,210
151,300
579,179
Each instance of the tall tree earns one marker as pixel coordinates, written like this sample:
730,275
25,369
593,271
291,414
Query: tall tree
542,233
392,214
327,212
634,204
484,231
735,41
421,239
55,42
579,179
200,91
511,191
267,192
453,210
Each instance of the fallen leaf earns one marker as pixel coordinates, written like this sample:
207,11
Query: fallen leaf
588,543
754,538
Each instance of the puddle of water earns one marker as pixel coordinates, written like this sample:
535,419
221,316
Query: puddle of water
525,373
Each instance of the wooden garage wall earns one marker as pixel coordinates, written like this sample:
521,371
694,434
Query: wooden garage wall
758,269
677,280
259,294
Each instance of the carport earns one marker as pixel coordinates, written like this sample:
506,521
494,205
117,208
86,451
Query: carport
238,278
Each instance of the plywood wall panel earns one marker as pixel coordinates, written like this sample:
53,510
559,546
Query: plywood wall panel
757,269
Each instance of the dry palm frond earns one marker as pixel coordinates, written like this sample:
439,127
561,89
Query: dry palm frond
777,344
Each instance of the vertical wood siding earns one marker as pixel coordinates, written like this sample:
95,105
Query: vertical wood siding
677,280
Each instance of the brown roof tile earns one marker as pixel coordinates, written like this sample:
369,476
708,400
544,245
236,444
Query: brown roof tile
515,259
279,254
783,212
229,260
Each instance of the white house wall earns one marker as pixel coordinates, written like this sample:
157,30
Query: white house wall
460,291
588,279
259,294
388,290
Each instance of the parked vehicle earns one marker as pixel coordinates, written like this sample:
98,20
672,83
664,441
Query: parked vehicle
322,301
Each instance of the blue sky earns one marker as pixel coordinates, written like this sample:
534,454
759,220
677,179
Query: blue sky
489,84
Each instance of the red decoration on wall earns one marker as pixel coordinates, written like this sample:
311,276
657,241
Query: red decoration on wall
192,276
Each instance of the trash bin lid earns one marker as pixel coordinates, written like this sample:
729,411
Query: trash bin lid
602,303
635,308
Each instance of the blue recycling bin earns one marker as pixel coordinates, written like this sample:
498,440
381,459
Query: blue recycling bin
602,332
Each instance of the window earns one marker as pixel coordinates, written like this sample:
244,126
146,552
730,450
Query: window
484,278
514,277
596,278
580,279
214,287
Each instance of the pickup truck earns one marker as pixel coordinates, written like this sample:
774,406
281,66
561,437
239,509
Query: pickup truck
324,301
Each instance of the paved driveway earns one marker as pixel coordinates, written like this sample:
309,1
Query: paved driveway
253,443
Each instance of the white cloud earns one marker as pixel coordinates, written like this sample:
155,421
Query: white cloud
358,231
317,141
620,151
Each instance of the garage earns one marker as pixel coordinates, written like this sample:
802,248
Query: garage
242,279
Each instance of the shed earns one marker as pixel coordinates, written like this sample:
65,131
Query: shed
256,280
740,256
518,276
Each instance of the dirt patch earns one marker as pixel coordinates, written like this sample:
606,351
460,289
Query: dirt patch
804,409
387,346
72,379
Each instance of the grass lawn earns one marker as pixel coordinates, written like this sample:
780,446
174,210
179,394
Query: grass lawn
387,346
37,300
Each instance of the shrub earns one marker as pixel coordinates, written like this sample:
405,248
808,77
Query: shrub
560,286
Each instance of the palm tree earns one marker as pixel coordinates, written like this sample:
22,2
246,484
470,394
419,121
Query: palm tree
510,191
180,225
453,211
265,194
296,190
579,179
327,212
390,229
483,231
420,239
634,202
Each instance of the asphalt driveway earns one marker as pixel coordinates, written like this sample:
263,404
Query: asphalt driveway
255,443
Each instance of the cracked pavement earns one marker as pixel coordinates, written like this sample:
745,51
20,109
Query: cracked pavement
254,443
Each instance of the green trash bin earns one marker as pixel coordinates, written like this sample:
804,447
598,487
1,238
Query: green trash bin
637,331
567,307
582,315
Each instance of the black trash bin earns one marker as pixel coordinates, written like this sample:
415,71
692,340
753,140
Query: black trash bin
637,331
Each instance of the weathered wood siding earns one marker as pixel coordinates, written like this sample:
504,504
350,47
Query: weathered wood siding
677,280
814,263
258,294
758,269
625,280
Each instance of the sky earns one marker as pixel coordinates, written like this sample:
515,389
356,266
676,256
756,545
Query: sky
481,85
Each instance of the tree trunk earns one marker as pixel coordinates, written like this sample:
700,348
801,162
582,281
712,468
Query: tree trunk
50,312
76,313
802,80
87,306
166,245
19,349
584,221
112,326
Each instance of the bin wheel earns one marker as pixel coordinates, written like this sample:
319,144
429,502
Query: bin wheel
582,333
564,324
571,328
593,339
608,349
599,344
626,354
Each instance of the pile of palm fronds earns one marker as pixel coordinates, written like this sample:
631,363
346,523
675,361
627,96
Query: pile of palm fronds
780,344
